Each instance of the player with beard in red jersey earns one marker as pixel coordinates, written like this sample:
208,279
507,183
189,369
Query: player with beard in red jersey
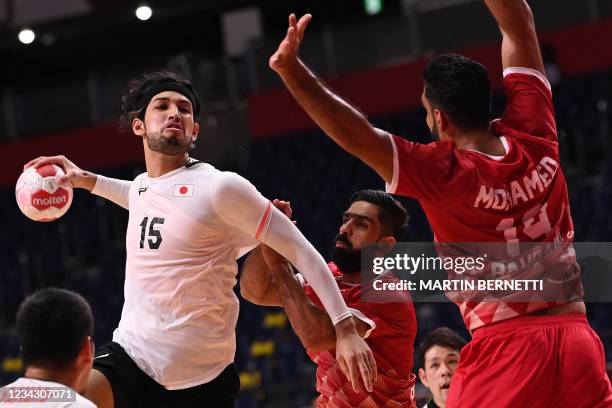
388,324
485,182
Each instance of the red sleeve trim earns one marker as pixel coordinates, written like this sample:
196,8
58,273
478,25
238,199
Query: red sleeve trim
392,188
263,221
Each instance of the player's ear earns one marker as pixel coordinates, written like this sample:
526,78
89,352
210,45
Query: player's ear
86,354
388,242
196,130
138,127
441,120
423,377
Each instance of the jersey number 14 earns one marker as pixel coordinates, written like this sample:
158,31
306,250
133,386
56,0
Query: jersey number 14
535,223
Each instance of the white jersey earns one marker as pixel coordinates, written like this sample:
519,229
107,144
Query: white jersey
186,229
30,393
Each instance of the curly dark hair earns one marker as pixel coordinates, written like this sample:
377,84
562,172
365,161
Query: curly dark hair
131,104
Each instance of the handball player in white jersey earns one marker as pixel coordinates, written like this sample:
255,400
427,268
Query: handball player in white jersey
188,223
55,329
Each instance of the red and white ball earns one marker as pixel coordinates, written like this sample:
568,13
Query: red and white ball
40,195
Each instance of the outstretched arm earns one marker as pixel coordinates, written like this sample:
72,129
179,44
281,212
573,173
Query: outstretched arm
348,127
241,206
277,285
114,190
520,42
78,177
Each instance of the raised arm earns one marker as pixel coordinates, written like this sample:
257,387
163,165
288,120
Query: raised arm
348,127
520,46
114,190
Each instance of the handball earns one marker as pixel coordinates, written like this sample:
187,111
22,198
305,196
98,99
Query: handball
40,196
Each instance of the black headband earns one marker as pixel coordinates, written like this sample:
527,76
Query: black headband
153,90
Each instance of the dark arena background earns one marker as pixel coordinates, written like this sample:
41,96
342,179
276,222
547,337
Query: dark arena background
61,94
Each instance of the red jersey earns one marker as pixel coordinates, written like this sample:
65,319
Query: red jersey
391,338
472,197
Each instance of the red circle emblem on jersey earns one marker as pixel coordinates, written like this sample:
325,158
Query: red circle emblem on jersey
183,190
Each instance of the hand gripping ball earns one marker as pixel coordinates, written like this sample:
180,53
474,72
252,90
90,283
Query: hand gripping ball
40,195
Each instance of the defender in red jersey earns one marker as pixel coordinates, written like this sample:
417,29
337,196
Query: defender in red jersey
389,327
484,181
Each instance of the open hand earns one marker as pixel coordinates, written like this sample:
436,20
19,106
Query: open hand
354,356
286,56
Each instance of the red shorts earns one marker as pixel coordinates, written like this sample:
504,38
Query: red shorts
532,361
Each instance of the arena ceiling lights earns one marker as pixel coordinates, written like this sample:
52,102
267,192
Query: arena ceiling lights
144,12
26,36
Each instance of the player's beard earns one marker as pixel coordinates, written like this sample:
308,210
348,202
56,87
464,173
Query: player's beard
168,145
347,259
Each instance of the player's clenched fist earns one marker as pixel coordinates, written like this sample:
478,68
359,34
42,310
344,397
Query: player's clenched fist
286,55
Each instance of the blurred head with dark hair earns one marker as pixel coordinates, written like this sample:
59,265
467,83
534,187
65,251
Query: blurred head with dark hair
438,358
162,108
55,329
373,216
456,96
